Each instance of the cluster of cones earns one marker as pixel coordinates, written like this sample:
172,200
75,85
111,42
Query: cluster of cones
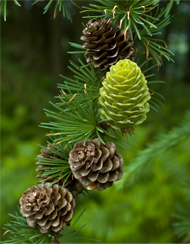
51,206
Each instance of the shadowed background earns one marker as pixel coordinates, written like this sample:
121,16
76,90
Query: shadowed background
33,53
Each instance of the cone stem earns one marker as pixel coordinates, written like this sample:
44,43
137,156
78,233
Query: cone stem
56,241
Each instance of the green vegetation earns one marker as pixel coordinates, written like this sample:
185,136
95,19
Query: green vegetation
140,208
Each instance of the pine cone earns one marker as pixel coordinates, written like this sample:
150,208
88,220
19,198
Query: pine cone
49,208
45,153
72,184
96,165
105,45
124,96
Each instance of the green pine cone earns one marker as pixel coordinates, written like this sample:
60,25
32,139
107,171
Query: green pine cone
124,96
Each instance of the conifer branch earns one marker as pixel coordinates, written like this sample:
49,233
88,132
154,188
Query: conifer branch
78,120
85,80
129,13
21,232
182,214
154,47
54,169
3,7
146,157
138,21
169,5
60,5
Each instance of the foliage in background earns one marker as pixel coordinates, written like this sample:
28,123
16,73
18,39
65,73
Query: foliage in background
153,150
169,5
182,215
59,5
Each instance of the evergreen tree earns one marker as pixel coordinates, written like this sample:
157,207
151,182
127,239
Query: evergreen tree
96,111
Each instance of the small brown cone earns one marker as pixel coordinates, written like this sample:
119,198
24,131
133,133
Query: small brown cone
106,45
72,184
45,153
49,208
96,165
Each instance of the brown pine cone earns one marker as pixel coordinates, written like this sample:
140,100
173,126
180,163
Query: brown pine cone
72,184
96,165
106,45
45,153
49,208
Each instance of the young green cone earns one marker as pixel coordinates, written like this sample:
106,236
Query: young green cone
124,96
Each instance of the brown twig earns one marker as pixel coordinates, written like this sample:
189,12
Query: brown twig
61,98
142,13
113,10
73,97
6,232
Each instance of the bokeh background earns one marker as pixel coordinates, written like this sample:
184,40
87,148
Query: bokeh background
34,50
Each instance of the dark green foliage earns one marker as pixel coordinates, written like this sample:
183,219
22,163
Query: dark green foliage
3,7
128,12
154,47
78,120
169,5
85,79
78,46
78,117
21,232
60,5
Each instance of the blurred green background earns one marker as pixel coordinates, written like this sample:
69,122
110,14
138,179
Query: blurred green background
33,53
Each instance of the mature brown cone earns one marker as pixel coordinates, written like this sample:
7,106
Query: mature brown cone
45,153
105,44
96,165
49,208
72,184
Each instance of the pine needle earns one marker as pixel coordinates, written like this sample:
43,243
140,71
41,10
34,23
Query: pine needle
20,232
